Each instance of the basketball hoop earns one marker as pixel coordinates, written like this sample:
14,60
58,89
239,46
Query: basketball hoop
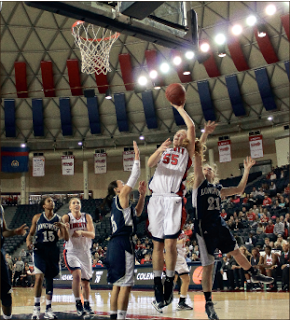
95,44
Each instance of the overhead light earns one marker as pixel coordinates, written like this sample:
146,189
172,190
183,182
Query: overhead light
153,74
177,60
237,29
261,30
220,39
23,145
141,137
80,143
142,81
270,9
186,73
189,55
164,67
270,118
108,95
202,130
156,86
221,51
251,20
204,47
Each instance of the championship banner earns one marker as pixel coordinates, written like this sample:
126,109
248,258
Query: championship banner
225,151
100,163
256,146
128,160
38,165
68,165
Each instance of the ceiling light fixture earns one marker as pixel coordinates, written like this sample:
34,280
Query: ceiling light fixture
270,9
177,60
108,95
164,67
270,118
204,47
189,55
237,29
251,20
153,74
261,30
23,145
142,81
141,137
220,39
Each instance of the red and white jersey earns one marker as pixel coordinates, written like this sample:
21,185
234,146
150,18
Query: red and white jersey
80,243
171,171
269,259
181,248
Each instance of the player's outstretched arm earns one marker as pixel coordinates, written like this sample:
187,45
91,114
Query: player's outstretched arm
190,129
142,192
32,231
248,163
209,128
155,157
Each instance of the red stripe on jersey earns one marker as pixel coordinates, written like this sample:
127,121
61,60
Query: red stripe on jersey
182,186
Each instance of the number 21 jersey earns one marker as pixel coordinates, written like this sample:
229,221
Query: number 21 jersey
171,171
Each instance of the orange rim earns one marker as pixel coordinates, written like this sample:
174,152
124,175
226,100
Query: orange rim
115,35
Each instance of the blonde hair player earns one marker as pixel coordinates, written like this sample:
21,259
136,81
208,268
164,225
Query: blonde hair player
165,207
77,254
211,229
120,260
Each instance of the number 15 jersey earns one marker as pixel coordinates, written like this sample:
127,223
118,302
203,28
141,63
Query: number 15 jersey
171,171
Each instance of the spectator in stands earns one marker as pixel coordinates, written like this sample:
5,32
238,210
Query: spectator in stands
9,264
25,278
286,190
282,202
254,193
147,259
188,231
267,202
251,241
269,264
194,257
273,187
269,228
236,200
22,254
244,210
224,214
260,228
19,267
255,210
287,203
273,176
97,263
267,242
237,225
284,263
251,215
227,266
279,227
280,242
264,219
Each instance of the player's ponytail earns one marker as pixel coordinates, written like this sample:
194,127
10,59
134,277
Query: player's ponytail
111,194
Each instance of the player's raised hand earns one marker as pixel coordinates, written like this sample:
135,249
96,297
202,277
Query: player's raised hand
136,150
178,107
166,144
21,231
142,188
248,163
209,127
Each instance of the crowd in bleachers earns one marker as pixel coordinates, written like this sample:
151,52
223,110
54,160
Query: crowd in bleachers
258,219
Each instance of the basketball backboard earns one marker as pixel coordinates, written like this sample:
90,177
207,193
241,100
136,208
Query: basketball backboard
171,24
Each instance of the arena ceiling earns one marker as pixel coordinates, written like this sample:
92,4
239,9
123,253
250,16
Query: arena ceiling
32,35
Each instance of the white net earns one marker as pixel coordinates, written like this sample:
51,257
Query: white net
95,44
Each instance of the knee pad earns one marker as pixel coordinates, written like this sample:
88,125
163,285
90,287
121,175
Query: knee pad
6,300
49,286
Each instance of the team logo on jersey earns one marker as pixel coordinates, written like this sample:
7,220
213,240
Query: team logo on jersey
15,163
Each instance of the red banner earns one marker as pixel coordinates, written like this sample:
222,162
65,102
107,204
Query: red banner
256,146
225,152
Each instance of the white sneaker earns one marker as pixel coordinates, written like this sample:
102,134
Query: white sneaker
49,314
36,313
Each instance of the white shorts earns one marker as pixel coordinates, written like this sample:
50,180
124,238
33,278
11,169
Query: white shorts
165,216
181,266
79,260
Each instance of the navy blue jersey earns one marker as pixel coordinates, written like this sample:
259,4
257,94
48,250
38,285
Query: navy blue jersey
2,223
123,221
206,199
46,231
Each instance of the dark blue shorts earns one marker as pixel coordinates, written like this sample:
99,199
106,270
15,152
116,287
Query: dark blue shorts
218,235
120,261
47,261
5,278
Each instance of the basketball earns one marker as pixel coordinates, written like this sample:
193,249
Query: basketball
197,275
175,94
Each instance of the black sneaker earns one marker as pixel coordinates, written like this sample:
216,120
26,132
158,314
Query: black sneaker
80,309
168,291
158,306
183,306
261,278
88,310
209,309
158,290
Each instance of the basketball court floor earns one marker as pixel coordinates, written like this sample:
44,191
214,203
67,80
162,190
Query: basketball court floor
228,305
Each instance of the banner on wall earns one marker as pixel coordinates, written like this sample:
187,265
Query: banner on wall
14,159
38,165
128,160
68,165
225,154
256,146
100,163
282,151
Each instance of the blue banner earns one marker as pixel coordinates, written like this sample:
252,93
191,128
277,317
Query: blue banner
14,159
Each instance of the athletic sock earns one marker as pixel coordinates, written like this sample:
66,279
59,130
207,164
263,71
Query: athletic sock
48,304
207,296
157,273
7,317
37,301
170,273
121,314
113,314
